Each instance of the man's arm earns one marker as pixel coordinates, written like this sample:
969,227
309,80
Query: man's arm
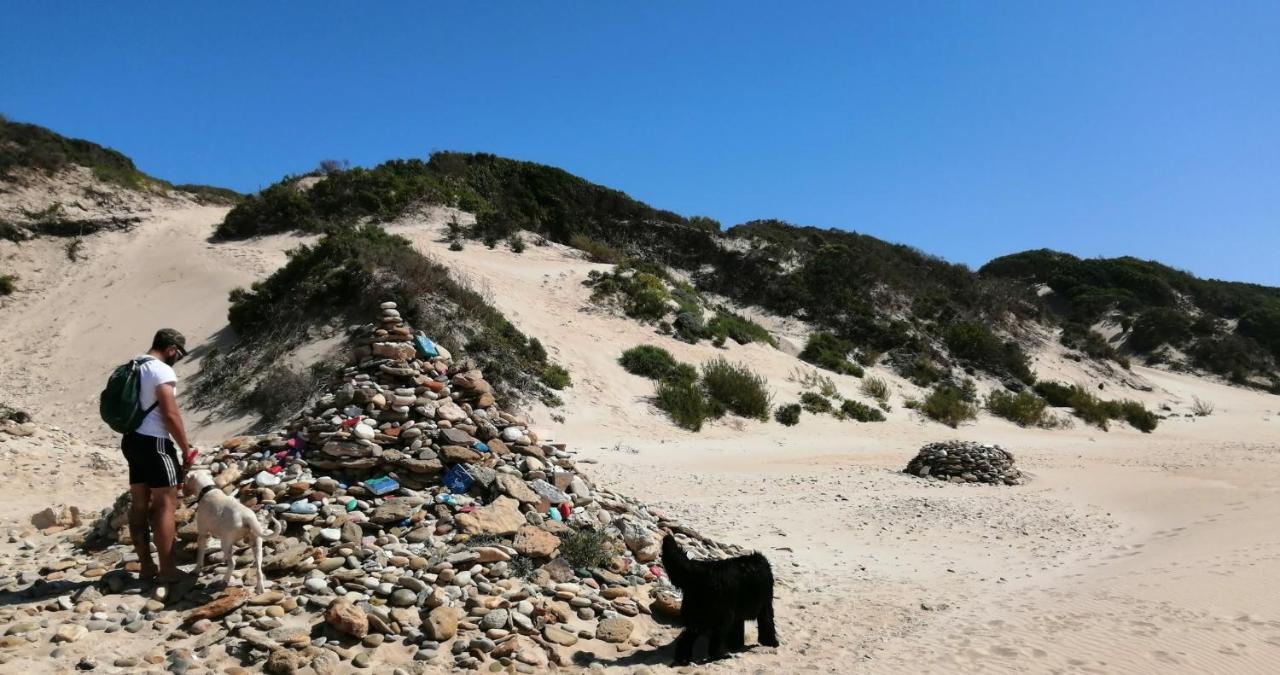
168,405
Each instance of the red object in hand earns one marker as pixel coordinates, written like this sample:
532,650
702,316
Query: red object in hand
191,457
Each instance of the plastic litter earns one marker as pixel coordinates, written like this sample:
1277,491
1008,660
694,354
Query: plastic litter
381,485
425,347
479,446
458,479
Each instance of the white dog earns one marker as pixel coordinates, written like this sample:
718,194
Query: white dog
230,521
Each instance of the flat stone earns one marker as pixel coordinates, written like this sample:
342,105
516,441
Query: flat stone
616,630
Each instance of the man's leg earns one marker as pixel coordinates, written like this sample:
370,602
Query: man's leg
139,512
164,501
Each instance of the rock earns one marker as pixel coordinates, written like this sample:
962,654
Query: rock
229,601
644,545
70,632
450,412
616,630
347,618
457,454
965,462
325,662
441,624
559,636
403,597
393,511
666,605
515,487
282,662
535,542
268,598
498,618
548,492
502,517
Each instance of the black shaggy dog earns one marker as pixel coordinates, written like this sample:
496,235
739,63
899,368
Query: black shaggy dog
719,595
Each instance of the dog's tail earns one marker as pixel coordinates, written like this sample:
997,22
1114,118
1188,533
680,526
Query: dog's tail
675,561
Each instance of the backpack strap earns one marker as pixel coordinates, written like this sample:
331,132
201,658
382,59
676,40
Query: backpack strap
137,362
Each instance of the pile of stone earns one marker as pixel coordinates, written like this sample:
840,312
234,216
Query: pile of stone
490,550
965,462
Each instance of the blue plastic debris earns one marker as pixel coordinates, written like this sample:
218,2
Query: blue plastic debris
382,485
425,347
458,479
479,446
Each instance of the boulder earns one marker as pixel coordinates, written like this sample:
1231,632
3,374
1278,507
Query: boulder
502,517
347,618
441,624
535,542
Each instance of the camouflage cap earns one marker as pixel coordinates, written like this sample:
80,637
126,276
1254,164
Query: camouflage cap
169,337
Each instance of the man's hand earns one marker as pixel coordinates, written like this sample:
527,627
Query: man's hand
189,458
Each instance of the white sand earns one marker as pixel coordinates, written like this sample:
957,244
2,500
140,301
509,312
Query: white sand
1127,552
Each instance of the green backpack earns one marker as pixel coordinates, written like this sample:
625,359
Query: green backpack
120,403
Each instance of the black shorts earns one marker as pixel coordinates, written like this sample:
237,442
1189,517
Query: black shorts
152,460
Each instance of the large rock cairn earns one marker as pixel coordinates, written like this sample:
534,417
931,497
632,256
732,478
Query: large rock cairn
465,578
965,462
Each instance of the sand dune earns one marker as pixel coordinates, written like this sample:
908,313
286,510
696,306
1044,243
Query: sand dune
1125,553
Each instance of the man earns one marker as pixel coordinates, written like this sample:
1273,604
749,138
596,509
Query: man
155,467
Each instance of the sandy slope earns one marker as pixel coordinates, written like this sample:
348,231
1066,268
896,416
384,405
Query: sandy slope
72,322
1126,553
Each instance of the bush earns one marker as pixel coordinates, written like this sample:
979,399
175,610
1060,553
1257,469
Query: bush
736,388
1157,326
1138,416
975,344
739,328
923,372
950,404
455,245
682,372
648,361
1093,410
586,548
684,402
596,251
1057,394
283,390
8,284
1201,407
876,388
516,242
815,403
556,377
826,350
1023,408
788,415
860,412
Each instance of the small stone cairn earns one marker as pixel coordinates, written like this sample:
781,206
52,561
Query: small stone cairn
965,462
466,576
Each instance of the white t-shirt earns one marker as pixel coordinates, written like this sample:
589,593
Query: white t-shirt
154,373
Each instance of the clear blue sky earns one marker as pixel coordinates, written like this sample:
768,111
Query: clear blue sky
967,129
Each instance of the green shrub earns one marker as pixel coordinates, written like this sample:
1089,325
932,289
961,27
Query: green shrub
682,372
860,412
1138,416
596,251
924,372
736,388
455,245
648,361
788,415
685,402
826,350
1057,394
1023,408
490,241
556,377
739,328
815,403
1157,326
516,243
975,344
876,388
950,404
8,284
586,548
